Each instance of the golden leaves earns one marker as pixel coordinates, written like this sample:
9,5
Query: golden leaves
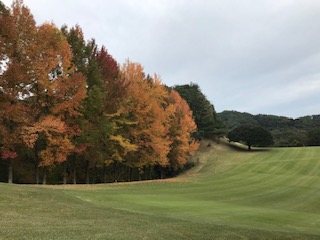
41,93
164,120
70,93
57,150
182,126
58,145
124,143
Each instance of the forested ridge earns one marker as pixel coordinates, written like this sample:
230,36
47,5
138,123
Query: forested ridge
286,132
69,113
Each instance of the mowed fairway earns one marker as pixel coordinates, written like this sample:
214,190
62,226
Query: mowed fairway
232,194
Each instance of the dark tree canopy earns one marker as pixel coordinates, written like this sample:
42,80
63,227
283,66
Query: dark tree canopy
3,9
204,113
314,137
251,136
286,132
233,119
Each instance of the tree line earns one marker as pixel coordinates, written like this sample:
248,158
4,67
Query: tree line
70,113
286,132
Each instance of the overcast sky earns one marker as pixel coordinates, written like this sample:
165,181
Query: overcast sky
256,56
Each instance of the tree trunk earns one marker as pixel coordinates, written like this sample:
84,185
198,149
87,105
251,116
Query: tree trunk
94,175
87,173
139,174
249,147
36,173
132,175
115,176
129,174
65,172
145,172
74,169
10,171
104,173
74,175
162,173
150,172
36,164
44,180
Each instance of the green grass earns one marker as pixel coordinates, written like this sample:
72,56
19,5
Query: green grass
232,194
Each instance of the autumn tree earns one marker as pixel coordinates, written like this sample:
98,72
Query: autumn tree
16,34
58,90
104,93
117,144
146,105
39,76
102,121
182,126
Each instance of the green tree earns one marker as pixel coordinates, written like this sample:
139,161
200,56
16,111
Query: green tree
82,62
96,126
204,113
251,136
314,137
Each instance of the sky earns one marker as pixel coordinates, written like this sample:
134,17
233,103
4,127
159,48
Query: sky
256,56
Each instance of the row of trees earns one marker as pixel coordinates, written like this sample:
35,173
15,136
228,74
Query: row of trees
68,108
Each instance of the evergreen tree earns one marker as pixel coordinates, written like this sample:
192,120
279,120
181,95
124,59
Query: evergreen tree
204,113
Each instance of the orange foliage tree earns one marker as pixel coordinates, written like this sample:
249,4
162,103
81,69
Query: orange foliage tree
16,34
146,106
57,94
182,126
39,65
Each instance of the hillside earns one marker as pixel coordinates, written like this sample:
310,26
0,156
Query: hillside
286,132
231,194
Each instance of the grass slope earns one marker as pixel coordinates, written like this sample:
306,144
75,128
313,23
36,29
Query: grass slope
231,194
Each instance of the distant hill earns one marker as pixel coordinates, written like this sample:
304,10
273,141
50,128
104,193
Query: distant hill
286,132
